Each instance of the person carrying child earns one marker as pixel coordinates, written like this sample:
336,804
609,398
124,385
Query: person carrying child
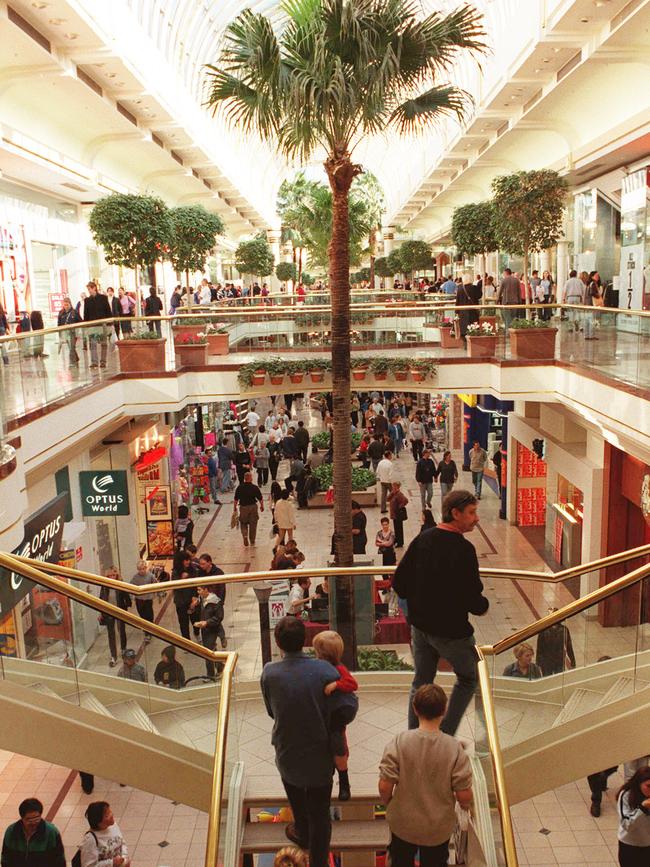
328,645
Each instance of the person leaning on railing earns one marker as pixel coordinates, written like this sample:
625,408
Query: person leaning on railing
96,307
69,316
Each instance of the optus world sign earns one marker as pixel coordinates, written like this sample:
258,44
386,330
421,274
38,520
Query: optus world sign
104,492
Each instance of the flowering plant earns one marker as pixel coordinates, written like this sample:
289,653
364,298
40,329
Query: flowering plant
216,328
483,329
191,339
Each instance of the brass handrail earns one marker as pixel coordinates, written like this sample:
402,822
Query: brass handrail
327,571
228,659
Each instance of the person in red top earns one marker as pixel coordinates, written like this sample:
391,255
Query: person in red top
328,645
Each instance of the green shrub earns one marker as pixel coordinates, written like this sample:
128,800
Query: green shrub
529,323
424,366
361,478
380,364
373,659
141,335
399,363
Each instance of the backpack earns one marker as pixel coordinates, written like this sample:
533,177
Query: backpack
76,858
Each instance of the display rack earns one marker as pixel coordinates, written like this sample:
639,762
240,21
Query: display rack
199,486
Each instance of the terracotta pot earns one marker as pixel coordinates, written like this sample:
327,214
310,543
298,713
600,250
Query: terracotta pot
401,375
417,375
492,320
217,344
448,341
481,345
317,375
192,354
359,373
139,355
259,377
536,343
179,330
381,376
296,377
277,379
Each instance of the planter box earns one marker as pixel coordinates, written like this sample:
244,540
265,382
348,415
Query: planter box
492,320
401,375
417,375
192,355
317,376
481,346
179,330
296,378
139,355
359,374
448,341
533,343
276,379
218,344
381,376
364,498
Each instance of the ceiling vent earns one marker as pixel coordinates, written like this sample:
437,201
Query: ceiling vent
89,82
503,128
568,66
177,157
123,110
29,29
625,12
157,140
534,99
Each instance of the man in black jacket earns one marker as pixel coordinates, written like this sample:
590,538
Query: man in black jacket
210,609
302,441
439,578
96,307
425,473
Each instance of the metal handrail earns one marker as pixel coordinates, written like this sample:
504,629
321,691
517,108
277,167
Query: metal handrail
327,571
228,659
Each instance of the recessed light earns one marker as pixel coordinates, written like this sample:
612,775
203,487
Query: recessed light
546,59
138,102
557,50
99,65
71,35
56,21
538,70
111,75
40,5
584,21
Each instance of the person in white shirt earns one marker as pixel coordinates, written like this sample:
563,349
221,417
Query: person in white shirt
252,420
205,295
103,845
384,473
574,293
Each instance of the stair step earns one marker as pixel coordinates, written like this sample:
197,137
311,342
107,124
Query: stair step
621,688
43,689
580,702
373,836
168,725
86,699
130,712
268,795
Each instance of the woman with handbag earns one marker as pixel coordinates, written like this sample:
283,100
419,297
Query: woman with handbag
397,505
121,599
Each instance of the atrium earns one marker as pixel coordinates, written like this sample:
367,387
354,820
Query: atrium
296,296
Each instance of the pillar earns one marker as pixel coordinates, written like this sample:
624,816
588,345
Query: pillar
562,265
273,237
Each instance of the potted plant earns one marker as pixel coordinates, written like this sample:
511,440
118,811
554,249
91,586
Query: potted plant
296,370
421,368
252,374
448,339
141,350
400,368
192,350
275,367
481,340
218,339
532,338
317,368
192,325
360,366
488,314
380,367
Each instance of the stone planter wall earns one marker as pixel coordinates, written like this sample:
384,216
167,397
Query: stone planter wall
535,343
192,355
137,356
483,346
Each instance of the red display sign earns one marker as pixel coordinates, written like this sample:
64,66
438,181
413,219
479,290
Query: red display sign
56,302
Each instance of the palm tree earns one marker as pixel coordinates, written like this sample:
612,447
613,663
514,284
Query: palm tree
330,73
292,198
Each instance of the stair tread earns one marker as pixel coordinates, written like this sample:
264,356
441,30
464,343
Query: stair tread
580,702
269,836
88,700
43,689
364,791
168,726
621,688
129,711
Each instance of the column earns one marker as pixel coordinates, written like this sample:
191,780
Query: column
273,236
562,266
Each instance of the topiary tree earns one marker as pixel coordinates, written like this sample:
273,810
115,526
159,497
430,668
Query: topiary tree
286,271
414,256
307,279
254,257
528,212
195,230
394,263
135,231
360,276
473,230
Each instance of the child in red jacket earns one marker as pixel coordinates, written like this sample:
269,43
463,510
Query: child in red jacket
329,646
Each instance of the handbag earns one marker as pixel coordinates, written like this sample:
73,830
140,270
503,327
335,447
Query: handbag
402,514
234,520
76,858
465,846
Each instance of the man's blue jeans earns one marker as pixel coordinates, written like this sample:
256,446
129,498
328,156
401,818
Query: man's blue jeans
225,480
426,494
477,481
461,655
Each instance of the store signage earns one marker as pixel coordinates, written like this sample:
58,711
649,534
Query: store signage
55,300
42,541
104,492
645,497
153,456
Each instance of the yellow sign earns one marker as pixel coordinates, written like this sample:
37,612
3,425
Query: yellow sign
469,399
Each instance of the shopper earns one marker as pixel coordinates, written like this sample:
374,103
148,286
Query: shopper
428,521
285,517
384,473
225,457
169,672
183,596
213,476
509,294
634,820
398,502
207,569
103,845
359,522
439,578
416,436
183,528
275,456
523,666
422,775
210,610
477,460
555,649
127,309
31,841
96,307
153,307
144,604
425,473
375,452
302,441
447,473
68,316
242,462
121,599
385,542
131,669
4,331
574,293
299,595
294,695
247,496
289,856
262,456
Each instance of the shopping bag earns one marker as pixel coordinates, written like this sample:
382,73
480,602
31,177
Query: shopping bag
465,846
234,520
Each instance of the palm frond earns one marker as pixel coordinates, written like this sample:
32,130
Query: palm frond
415,114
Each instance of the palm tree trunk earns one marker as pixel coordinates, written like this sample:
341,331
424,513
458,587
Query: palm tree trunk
372,243
300,266
341,172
